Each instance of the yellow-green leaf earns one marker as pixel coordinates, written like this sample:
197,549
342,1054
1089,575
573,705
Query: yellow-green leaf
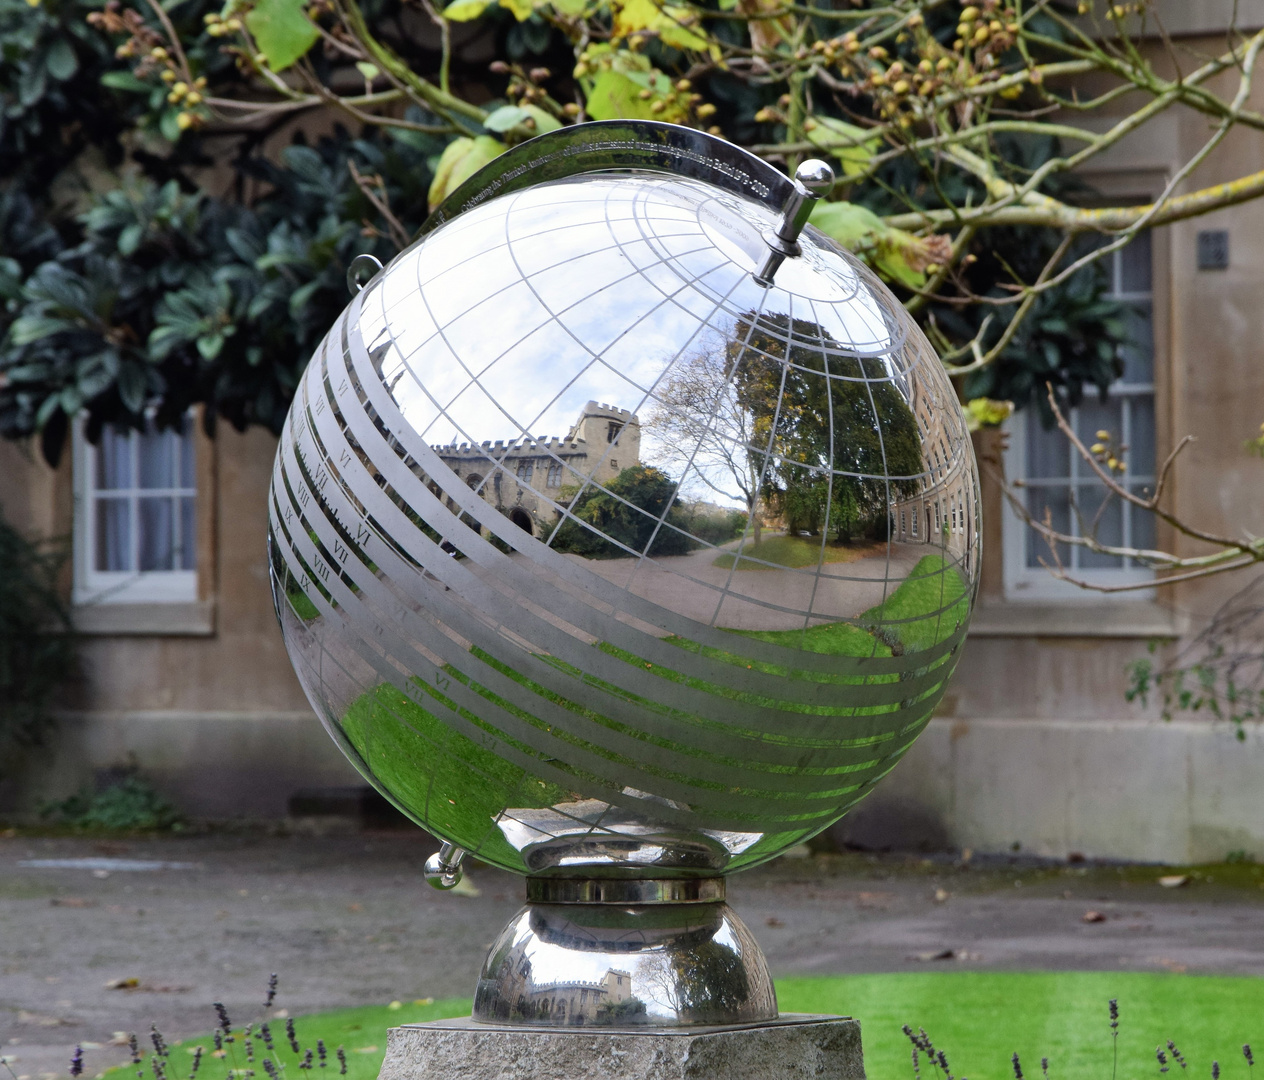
574,8
282,31
633,15
899,255
852,145
544,121
460,160
465,10
984,412
522,9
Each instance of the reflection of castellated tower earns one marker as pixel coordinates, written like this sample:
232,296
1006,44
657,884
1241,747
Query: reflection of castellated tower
513,476
568,1003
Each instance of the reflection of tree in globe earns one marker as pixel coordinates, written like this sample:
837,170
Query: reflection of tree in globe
597,555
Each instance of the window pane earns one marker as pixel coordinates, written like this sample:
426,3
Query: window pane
1140,455
156,451
114,459
1046,450
1096,415
1138,351
1142,523
188,534
187,476
1134,265
157,524
1057,503
113,535
1104,524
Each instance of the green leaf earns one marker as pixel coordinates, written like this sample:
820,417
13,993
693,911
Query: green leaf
130,238
30,328
369,71
169,125
282,31
522,9
852,145
209,345
466,10
543,121
61,61
125,80
506,117
131,387
852,225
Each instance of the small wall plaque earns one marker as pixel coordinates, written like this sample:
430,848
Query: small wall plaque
1213,249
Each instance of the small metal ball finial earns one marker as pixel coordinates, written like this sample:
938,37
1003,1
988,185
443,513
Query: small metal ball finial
443,868
816,176
812,180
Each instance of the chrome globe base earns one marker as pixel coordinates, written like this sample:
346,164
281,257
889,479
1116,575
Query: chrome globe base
621,953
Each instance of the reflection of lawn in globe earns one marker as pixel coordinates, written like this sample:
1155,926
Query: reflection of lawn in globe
302,606
924,609
439,772
794,552
443,774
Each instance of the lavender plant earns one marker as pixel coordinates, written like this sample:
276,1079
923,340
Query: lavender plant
234,1047
924,1049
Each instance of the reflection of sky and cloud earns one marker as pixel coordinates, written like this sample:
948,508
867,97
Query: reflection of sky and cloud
654,281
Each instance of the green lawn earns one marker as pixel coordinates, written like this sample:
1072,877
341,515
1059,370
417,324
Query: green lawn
979,1019
794,552
926,606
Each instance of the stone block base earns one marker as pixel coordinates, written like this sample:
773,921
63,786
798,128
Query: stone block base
795,1047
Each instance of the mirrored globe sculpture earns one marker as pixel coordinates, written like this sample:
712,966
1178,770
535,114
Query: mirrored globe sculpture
624,534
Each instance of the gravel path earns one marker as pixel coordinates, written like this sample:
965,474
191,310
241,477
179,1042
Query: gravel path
348,920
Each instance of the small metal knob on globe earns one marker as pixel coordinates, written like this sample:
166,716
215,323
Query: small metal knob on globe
812,180
443,868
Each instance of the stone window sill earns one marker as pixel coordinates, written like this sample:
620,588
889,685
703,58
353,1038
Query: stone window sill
1125,619
195,619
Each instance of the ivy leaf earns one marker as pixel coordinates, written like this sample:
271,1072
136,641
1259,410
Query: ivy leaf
282,31
369,71
465,10
61,61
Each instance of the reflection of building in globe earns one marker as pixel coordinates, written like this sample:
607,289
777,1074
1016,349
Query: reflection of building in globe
602,441
538,647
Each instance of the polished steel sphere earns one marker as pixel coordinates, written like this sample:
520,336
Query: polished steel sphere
605,544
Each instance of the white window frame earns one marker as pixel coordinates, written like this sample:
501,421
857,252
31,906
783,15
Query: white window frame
95,587
1037,584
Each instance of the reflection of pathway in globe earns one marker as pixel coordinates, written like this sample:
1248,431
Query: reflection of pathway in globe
767,598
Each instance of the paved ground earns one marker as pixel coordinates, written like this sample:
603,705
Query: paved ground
348,920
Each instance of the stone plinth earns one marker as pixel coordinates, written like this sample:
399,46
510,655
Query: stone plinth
795,1047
